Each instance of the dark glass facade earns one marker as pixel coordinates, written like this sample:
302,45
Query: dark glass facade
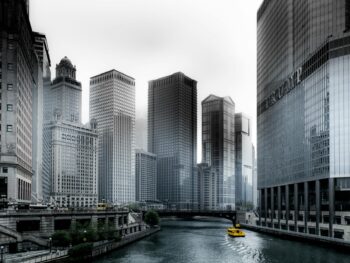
304,116
172,136
218,146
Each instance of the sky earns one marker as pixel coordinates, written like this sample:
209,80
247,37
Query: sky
211,41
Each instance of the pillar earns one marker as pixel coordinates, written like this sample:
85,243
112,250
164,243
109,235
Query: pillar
318,206
287,206
279,213
331,205
272,205
266,210
296,207
260,206
306,205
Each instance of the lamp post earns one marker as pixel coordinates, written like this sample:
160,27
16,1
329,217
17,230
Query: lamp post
50,244
2,253
84,239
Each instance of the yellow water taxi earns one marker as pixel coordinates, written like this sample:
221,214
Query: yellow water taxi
235,232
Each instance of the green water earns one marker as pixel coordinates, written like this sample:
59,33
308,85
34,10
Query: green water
182,241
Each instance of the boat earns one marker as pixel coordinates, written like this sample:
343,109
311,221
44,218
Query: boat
235,232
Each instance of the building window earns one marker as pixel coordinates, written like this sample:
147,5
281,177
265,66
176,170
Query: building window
9,128
5,170
347,15
9,107
9,87
10,66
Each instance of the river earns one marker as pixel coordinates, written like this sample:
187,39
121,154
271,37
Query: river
205,240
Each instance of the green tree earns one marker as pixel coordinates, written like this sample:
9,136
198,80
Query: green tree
61,239
152,218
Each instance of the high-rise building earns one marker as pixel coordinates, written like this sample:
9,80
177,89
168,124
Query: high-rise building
70,170
303,116
244,161
146,176
18,79
207,187
44,82
172,136
218,146
112,104
65,92
74,163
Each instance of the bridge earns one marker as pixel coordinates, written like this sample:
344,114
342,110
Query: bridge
230,215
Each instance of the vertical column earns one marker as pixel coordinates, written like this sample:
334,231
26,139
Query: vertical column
296,207
260,205
331,205
266,210
318,206
279,213
287,206
272,206
306,205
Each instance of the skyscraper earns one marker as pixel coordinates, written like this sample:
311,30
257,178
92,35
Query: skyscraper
218,146
44,82
70,168
18,79
303,116
146,176
244,161
172,136
112,104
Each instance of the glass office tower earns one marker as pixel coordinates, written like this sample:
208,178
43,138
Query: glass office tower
304,116
218,146
172,136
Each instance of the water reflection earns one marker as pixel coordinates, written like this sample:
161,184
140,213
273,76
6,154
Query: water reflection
206,241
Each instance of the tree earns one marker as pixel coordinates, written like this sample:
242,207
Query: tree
61,239
152,218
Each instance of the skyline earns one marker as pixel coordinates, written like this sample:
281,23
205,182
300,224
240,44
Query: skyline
156,44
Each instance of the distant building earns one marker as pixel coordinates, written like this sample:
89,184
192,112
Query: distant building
172,136
244,167
146,176
255,185
70,170
218,146
44,83
112,104
207,187
74,166
18,78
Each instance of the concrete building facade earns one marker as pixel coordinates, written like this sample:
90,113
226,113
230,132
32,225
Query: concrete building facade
18,79
112,104
303,116
146,176
218,146
44,82
172,136
207,187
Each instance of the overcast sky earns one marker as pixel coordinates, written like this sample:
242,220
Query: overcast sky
211,41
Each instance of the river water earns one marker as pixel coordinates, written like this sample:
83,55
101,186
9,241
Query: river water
205,240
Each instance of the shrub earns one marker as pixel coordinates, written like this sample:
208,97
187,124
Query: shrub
152,218
81,250
61,239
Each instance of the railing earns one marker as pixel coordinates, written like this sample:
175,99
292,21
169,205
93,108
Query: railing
42,258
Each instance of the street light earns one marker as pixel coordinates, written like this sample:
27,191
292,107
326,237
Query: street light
50,243
84,239
2,253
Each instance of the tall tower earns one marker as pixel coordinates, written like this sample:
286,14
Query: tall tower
218,146
66,92
172,136
244,161
112,104
44,83
303,124
18,79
